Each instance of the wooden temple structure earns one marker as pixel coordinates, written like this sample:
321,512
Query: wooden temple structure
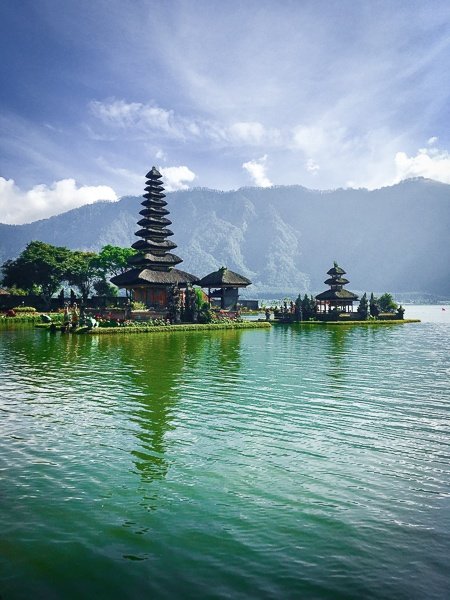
336,298
227,284
152,272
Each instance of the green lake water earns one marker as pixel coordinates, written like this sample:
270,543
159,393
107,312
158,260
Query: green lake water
299,462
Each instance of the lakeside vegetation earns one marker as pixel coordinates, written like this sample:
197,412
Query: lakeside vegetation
167,328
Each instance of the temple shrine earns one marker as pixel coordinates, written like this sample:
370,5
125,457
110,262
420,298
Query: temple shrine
227,284
153,274
336,298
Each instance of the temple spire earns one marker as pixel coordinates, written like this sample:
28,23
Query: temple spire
153,247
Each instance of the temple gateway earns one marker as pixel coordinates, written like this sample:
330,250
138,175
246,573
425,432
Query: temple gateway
153,275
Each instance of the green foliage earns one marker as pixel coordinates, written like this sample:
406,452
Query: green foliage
113,260
103,288
41,267
191,307
363,308
174,304
184,327
138,306
205,314
15,291
374,309
24,309
386,303
82,271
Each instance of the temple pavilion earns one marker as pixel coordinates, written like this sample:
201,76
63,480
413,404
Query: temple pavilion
227,284
336,297
153,273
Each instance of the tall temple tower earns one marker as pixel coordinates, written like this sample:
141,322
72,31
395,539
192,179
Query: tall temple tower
153,272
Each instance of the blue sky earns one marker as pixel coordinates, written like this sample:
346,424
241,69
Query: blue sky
217,94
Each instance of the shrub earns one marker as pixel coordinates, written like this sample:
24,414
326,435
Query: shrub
24,309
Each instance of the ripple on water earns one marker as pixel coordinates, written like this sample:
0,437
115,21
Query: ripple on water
291,463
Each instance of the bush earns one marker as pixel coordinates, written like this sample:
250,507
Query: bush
24,309
138,306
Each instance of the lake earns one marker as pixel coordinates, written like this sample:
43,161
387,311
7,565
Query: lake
299,462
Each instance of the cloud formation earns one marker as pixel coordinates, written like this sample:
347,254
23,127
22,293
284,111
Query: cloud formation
42,201
257,170
428,162
177,178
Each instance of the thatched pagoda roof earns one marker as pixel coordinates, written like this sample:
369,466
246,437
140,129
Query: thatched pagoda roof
153,174
336,281
151,260
223,277
336,270
337,295
135,277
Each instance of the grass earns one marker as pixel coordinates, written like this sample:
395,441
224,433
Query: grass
182,327
368,322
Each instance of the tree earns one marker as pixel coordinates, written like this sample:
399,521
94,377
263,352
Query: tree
363,308
40,268
174,304
103,288
190,304
386,303
113,260
308,305
82,271
373,306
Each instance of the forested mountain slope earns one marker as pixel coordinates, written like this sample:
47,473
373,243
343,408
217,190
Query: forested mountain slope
283,238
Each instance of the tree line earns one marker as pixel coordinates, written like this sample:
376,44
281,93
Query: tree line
42,269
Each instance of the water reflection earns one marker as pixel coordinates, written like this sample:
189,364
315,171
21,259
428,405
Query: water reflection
154,365
337,352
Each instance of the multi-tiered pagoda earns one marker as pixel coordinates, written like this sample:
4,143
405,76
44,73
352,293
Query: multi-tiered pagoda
153,273
336,298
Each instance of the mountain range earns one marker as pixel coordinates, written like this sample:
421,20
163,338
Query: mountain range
283,238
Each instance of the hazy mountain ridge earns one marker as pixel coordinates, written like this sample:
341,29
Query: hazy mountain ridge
283,238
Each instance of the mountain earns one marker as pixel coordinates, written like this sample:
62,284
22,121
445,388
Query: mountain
283,238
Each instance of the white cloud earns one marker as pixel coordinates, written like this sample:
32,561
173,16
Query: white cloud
252,133
139,120
42,201
161,155
426,163
320,138
140,117
432,140
312,166
257,171
175,178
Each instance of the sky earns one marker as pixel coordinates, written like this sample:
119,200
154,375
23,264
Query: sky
320,93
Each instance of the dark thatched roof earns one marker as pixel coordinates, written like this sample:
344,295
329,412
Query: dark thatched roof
337,295
148,259
336,281
153,174
146,245
224,278
135,277
336,270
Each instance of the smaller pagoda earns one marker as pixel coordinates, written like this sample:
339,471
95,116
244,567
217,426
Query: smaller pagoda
336,298
227,284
